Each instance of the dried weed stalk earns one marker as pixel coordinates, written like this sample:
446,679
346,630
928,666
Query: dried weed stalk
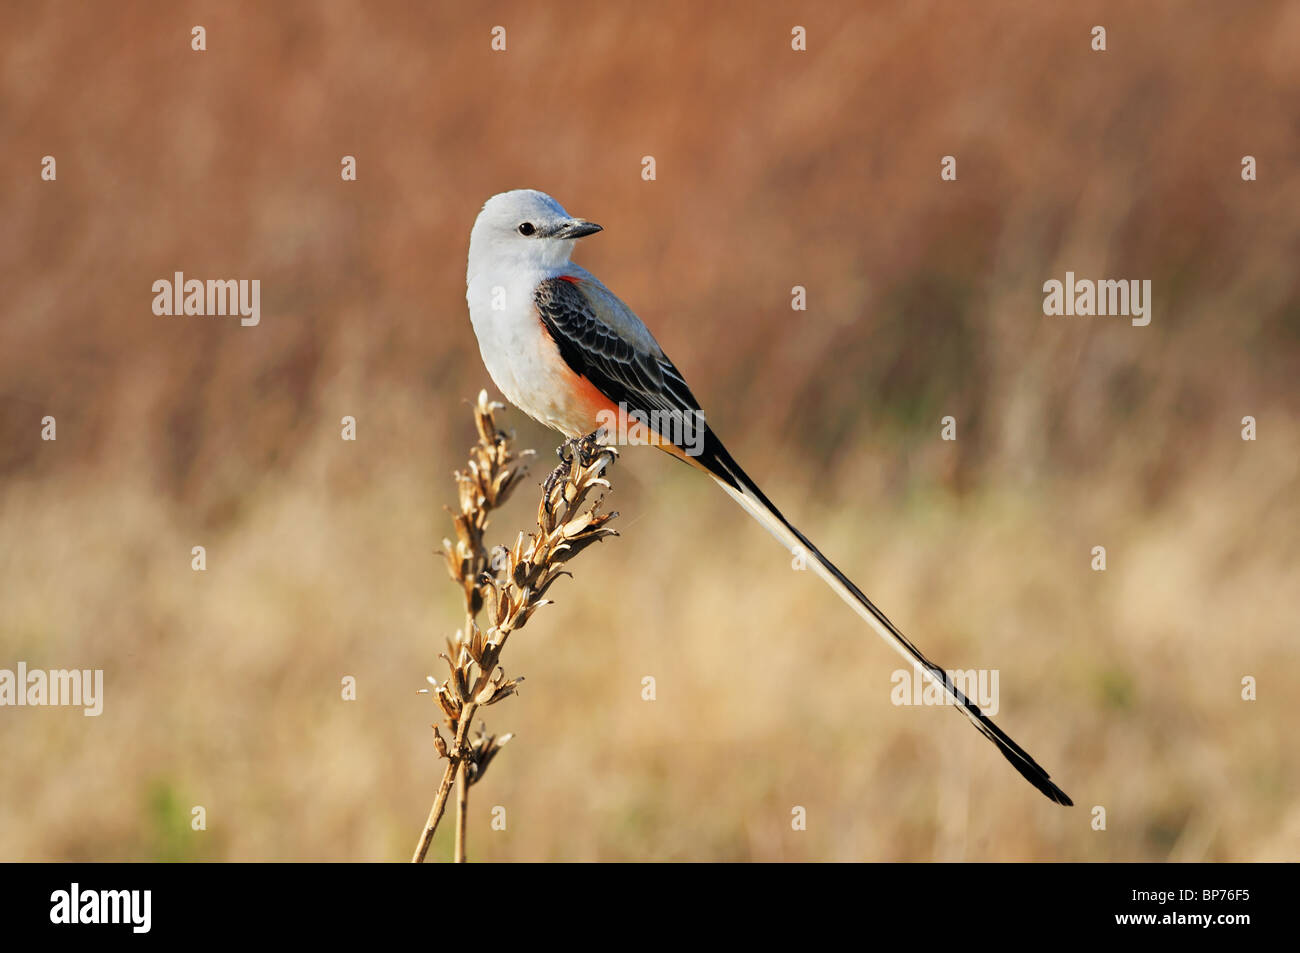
511,585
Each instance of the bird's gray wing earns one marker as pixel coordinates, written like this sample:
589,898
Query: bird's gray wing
601,339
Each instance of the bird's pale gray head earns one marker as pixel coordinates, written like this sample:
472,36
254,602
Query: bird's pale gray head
529,226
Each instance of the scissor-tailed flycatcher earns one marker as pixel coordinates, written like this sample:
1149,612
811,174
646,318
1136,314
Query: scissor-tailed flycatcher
567,352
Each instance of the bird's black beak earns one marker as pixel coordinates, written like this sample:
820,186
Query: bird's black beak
575,229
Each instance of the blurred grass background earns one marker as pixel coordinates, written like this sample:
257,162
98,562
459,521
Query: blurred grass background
775,169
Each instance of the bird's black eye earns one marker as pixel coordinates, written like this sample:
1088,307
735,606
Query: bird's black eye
526,228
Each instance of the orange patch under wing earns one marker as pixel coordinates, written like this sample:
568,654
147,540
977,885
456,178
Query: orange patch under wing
584,403
589,397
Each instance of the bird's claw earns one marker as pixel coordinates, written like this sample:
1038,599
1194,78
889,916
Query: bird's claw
559,474
581,450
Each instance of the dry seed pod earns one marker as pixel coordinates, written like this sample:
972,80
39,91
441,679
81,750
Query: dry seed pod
512,584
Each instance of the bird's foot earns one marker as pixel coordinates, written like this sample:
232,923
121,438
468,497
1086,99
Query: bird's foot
560,473
580,450
587,448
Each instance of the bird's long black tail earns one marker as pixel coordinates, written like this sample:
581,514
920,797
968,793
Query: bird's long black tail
723,468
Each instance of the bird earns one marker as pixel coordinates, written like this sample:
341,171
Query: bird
565,350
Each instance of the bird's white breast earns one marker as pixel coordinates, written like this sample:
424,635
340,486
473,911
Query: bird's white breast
519,354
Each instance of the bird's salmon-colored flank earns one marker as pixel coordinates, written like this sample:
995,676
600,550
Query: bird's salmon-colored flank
594,403
584,394
571,279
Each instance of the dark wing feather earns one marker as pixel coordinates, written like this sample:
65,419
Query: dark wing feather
617,368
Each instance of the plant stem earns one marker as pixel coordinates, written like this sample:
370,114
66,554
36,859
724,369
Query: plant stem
456,766
462,777
435,814
462,809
